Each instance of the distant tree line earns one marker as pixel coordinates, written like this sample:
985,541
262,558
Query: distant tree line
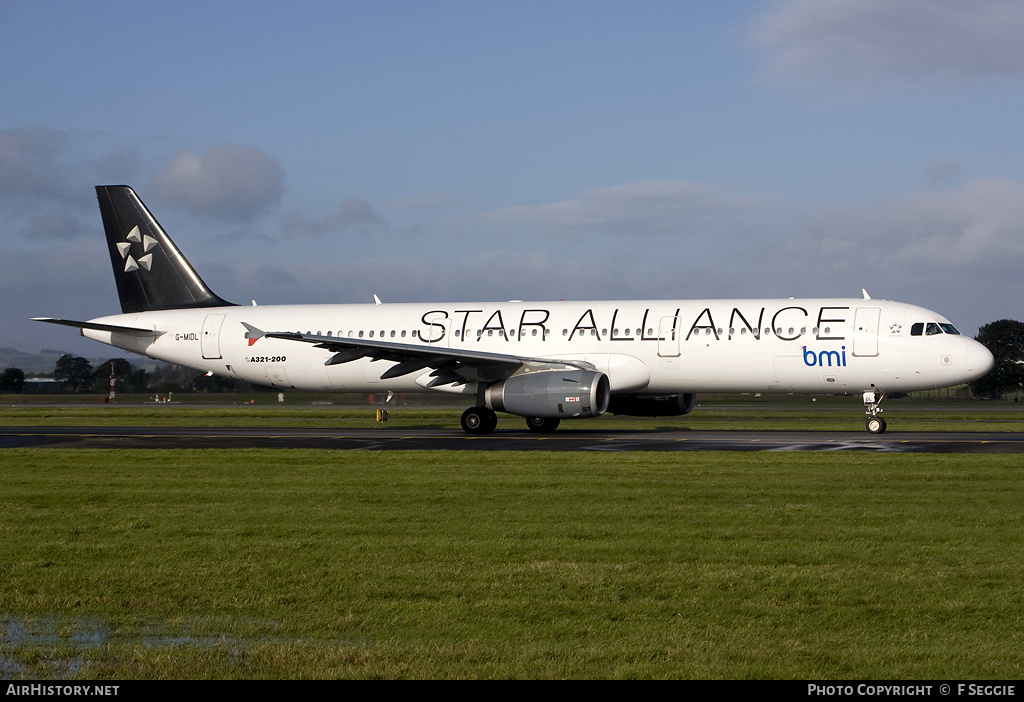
1005,339
78,375
12,380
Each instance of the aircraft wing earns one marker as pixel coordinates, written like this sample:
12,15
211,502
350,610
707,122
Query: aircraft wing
458,366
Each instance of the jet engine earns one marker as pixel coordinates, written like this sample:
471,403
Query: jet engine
670,405
552,394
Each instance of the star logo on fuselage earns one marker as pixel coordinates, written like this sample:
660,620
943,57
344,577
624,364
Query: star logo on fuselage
896,329
145,261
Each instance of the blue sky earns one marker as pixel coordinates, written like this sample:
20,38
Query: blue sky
443,151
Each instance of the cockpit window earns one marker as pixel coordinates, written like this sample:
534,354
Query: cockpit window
932,328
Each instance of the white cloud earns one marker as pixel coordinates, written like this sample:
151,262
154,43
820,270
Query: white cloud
870,42
980,223
958,251
230,181
644,207
471,276
424,201
943,172
33,164
46,180
354,215
54,225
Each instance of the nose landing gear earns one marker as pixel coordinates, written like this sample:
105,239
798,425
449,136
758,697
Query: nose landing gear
875,424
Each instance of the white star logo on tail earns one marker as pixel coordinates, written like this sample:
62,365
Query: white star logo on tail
124,248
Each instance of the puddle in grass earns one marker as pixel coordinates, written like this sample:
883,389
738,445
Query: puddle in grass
16,633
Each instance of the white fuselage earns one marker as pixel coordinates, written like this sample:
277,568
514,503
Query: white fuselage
805,346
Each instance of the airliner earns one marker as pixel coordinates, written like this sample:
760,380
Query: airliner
543,361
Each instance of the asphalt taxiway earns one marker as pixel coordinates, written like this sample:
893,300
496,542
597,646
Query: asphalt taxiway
387,438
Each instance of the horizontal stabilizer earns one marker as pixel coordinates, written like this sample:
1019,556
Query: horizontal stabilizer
115,328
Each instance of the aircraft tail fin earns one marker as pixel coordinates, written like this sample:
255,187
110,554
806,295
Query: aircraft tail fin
150,272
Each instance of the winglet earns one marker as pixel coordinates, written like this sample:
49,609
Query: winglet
866,296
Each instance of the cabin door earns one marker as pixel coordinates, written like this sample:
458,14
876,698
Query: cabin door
865,331
210,339
668,337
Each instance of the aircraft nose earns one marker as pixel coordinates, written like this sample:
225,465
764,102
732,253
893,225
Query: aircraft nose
979,360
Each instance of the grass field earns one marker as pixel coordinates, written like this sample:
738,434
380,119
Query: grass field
313,564
734,412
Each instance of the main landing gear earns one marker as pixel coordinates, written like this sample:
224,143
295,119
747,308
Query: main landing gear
482,420
542,425
479,420
875,424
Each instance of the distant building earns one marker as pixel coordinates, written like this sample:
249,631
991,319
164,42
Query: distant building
44,386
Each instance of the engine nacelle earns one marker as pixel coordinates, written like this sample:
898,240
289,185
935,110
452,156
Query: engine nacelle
671,405
552,394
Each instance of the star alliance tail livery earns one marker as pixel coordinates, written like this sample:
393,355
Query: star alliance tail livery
544,361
